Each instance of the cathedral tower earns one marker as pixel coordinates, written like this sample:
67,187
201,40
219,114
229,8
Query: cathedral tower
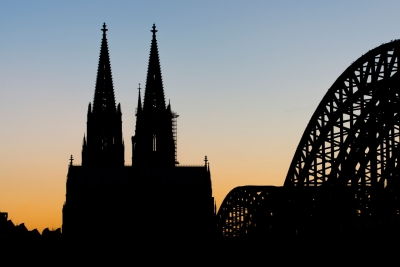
95,187
103,145
153,144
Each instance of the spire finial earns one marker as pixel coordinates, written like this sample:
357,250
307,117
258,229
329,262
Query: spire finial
205,161
71,159
139,88
154,30
104,28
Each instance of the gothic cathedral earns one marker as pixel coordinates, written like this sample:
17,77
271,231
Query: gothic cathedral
153,198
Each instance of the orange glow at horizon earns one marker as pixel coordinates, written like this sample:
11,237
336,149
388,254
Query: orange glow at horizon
35,193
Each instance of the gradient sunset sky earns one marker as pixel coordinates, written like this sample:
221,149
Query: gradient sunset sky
244,76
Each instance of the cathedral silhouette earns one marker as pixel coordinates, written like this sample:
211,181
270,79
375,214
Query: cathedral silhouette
155,197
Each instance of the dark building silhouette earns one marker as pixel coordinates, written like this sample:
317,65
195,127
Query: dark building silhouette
153,198
10,231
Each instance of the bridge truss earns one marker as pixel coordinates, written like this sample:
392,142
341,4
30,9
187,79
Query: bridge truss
348,158
353,137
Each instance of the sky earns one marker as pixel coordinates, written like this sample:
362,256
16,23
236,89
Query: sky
245,77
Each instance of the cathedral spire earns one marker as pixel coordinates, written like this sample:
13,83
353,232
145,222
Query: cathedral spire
154,92
153,143
103,145
104,99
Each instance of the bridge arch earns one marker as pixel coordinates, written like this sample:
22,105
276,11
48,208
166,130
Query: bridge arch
236,216
352,139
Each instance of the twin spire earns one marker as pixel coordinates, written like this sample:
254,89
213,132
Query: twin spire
104,98
154,142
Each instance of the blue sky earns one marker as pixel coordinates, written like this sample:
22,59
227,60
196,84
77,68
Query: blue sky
244,76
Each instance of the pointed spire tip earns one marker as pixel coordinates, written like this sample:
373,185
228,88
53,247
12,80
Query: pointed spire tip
154,30
104,28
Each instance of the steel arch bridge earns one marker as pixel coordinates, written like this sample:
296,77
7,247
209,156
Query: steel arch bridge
348,157
353,136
